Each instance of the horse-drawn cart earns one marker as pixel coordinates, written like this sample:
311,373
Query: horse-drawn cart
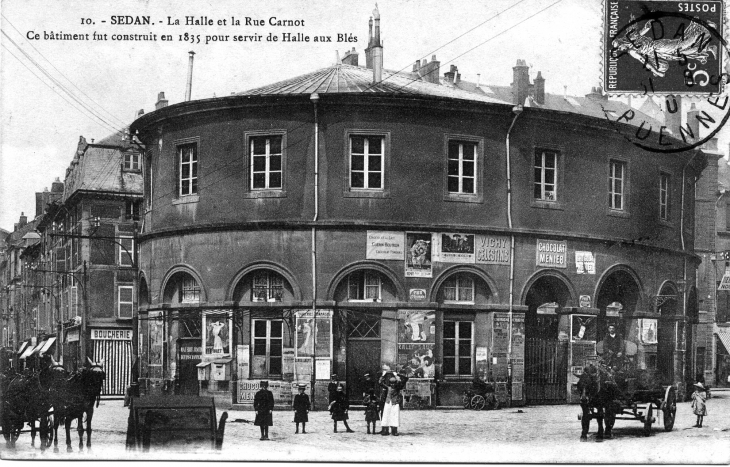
644,406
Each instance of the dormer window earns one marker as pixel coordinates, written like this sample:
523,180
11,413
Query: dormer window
132,161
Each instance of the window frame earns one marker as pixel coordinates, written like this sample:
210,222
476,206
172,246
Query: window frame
120,303
193,169
479,169
183,289
626,183
248,190
268,340
362,287
177,197
125,254
132,162
456,278
355,192
456,355
269,287
559,181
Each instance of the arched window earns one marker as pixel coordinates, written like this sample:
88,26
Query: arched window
364,286
458,288
189,290
268,286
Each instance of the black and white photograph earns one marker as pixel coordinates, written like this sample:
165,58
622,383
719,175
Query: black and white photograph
472,232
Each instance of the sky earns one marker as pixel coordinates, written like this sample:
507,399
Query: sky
108,81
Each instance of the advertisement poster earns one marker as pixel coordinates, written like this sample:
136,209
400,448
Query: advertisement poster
648,330
157,345
492,249
242,359
482,364
282,391
585,262
418,255
323,368
287,362
551,254
218,332
583,327
416,342
385,245
306,337
457,248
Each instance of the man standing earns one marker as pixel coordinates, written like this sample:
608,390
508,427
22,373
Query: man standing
332,387
301,407
263,404
613,345
394,385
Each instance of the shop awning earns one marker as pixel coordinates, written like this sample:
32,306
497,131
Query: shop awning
724,336
47,345
28,351
22,347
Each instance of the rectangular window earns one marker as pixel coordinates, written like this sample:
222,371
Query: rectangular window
268,338
266,162
189,290
616,184
546,175
126,251
664,197
458,337
131,162
366,162
125,302
363,285
188,169
131,210
462,167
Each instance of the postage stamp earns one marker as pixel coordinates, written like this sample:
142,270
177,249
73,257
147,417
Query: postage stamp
664,47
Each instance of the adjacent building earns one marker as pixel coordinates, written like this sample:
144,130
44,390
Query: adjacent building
353,217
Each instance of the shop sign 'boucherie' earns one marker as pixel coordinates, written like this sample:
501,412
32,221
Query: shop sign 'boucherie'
111,334
551,253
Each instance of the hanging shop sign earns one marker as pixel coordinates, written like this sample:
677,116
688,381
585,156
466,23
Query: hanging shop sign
218,329
492,249
456,248
111,334
648,331
311,330
583,328
418,261
416,342
385,245
418,295
73,335
585,262
551,254
282,391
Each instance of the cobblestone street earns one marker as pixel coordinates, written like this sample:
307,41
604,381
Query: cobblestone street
530,434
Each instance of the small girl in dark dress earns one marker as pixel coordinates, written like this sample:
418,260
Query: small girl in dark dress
339,407
301,409
372,409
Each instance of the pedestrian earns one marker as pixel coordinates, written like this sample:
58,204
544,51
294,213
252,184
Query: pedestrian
301,409
339,407
263,404
332,387
613,346
383,390
699,405
372,409
390,419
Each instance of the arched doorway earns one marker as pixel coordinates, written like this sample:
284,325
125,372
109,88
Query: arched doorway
667,332
618,295
546,356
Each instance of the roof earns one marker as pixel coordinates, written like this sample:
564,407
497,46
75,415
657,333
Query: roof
99,168
343,79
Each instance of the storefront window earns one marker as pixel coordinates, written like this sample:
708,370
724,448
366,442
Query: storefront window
458,338
267,347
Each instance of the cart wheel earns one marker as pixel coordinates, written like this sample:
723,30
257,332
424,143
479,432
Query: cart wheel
478,402
466,401
648,419
670,408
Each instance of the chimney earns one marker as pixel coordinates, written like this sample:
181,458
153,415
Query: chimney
452,76
81,146
673,113
140,112
520,82
351,58
429,71
39,202
57,186
189,85
692,129
161,101
565,92
22,221
540,89
369,50
479,79
377,49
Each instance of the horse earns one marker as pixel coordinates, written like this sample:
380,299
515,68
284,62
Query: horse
598,391
74,399
25,399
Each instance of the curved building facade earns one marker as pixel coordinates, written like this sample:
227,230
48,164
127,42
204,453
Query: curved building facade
353,217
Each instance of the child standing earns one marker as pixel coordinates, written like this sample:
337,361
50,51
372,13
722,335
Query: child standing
698,403
372,409
301,409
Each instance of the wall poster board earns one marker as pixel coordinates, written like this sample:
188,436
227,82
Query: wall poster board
385,245
282,391
648,331
306,337
418,255
416,342
218,333
492,249
156,325
583,328
457,248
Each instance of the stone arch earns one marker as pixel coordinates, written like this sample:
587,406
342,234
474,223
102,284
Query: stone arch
176,271
362,265
143,294
558,275
640,301
546,286
460,269
266,265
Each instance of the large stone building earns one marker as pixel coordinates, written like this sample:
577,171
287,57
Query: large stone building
355,217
